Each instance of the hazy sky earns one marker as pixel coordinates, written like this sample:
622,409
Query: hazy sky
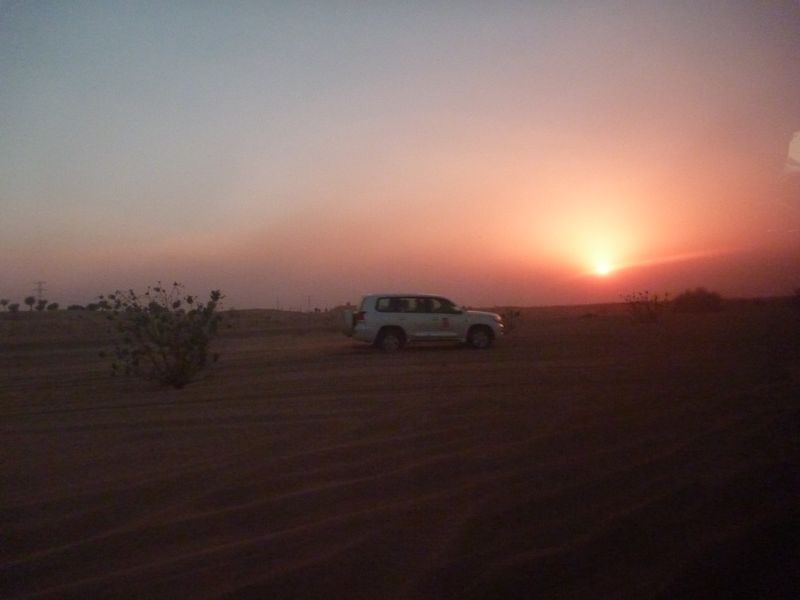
499,153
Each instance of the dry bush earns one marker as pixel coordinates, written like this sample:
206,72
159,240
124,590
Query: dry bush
164,334
644,308
698,300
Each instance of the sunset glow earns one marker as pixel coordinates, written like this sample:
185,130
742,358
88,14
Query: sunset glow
292,154
603,268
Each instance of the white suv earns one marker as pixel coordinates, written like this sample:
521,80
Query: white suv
390,320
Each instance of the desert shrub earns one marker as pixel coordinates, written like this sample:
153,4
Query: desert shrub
76,307
164,334
52,306
698,300
644,308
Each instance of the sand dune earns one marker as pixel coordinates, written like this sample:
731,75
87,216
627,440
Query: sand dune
578,458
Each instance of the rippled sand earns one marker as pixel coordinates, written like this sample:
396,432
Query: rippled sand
580,457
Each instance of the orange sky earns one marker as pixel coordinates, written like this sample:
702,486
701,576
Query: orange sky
496,155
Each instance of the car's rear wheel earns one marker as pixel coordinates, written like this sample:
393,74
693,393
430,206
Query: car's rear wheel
391,340
480,337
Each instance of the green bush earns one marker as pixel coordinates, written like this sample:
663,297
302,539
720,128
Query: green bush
164,334
698,300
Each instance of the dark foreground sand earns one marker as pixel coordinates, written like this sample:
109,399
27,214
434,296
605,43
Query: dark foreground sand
580,458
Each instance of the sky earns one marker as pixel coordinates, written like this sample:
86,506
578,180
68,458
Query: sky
301,154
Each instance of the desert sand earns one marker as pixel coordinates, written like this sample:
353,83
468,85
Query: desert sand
584,456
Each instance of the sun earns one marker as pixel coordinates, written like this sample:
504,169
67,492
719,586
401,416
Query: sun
603,268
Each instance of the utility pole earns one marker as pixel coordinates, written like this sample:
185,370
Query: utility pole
39,289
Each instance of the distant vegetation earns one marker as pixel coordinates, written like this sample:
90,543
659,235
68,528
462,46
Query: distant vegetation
698,300
164,334
644,308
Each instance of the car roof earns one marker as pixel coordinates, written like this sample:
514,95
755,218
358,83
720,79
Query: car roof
405,295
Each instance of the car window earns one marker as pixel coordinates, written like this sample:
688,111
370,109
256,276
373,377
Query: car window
442,305
415,305
422,305
384,305
396,305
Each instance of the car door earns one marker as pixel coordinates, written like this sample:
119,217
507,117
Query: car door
445,320
418,317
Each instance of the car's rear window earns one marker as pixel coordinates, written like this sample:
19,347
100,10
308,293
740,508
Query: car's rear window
396,304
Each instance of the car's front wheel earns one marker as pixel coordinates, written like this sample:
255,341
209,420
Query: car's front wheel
390,340
480,337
